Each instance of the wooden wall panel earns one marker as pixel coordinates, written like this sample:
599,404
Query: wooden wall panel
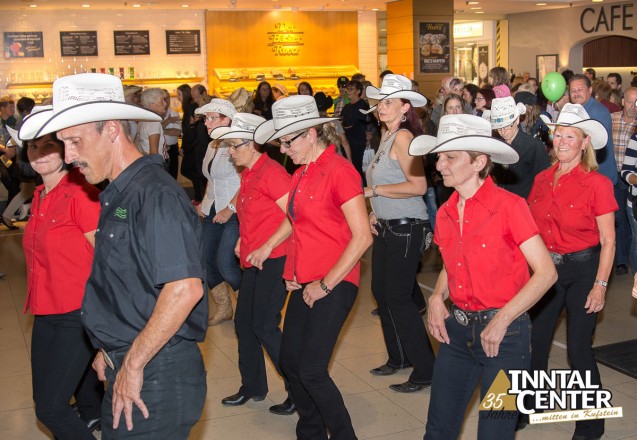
615,51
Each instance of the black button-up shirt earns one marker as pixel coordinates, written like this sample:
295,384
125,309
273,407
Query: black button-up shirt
148,235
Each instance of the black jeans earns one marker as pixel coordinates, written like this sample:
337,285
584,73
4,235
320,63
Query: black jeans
174,392
173,160
309,337
396,253
61,355
261,297
575,281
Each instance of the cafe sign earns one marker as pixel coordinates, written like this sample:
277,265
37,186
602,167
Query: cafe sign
608,18
285,40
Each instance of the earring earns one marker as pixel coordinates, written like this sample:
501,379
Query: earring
403,118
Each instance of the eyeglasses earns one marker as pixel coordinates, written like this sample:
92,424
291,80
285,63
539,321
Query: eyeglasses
288,143
236,147
212,118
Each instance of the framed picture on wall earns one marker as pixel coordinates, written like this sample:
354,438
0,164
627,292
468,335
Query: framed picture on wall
545,64
433,44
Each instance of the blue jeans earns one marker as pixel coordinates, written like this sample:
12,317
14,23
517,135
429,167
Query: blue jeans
623,236
432,206
219,240
461,365
174,391
633,243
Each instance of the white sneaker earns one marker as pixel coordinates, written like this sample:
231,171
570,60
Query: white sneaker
23,214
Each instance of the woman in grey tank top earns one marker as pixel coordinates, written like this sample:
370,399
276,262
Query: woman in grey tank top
402,233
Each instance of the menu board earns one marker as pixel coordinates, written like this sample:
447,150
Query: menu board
82,43
132,42
183,42
23,45
434,47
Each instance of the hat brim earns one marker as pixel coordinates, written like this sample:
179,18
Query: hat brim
231,133
33,123
95,111
14,136
593,128
500,152
415,98
266,131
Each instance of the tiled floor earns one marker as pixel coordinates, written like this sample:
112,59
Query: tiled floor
377,412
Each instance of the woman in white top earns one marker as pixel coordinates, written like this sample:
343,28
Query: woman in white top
150,135
220,224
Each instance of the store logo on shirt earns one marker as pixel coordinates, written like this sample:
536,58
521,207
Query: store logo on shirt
120,213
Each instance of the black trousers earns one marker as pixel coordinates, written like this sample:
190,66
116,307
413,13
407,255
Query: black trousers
575,281
261,297
60,363
173,160
309,337
396,253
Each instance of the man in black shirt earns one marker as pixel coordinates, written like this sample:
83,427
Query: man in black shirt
144,306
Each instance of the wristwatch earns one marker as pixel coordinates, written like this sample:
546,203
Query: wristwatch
374,194
602,283
324,287
232,208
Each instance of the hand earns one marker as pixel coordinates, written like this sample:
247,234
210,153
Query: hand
222,216
313,293
596,299
372,223
237,248
258,257
126,391
437,313
635,287
292,285
492,335
200,212
99,365
367,191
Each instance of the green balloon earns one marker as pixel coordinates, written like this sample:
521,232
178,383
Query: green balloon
553,86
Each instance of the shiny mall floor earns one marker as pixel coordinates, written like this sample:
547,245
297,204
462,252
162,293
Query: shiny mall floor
377,412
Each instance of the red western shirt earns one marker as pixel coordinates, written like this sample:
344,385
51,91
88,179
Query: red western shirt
566,214
259,215
58,256
320,232
484,263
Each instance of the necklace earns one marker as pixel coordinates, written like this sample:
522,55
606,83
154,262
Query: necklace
391,133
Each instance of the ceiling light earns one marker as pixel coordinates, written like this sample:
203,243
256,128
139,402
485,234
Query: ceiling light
375,9
473,3
597,1
540,4
137,5
185,6
479,12
473,9
33,6
86,6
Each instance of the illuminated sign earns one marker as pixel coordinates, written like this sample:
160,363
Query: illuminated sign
285,40
468,29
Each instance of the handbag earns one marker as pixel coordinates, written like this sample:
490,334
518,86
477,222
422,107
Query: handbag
368,157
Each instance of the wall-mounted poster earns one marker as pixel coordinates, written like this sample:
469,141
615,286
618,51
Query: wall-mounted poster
23,45
183,42
83,43
433,46
483,64
545,64
132,42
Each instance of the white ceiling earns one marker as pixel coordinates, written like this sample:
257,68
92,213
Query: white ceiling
491,8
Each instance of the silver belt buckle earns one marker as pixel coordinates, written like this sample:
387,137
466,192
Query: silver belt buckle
461,317
557,258
108,359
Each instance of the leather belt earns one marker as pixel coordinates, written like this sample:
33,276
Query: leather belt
400,221
465,317
575,257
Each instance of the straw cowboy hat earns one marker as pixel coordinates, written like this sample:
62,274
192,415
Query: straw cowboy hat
32,123
242,127
504,111
217,105
464,133
289,115
574,115
89,97
242,100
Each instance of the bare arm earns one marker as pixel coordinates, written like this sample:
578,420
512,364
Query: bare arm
356,216
544,276
175,302
258,256
437,310
415,183
597,295
153,144
225,214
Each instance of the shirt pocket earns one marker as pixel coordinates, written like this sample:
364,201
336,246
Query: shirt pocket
111,243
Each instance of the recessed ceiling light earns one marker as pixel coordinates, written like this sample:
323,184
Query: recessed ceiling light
479,12
374,9
185,6
477,8
597,1
86,6
137,6
33,6
540,4
473,3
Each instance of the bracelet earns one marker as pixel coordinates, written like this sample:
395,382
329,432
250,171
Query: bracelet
324,286
374,193
371,213
602,283
232,208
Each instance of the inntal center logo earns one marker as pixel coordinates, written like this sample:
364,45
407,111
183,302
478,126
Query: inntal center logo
548,397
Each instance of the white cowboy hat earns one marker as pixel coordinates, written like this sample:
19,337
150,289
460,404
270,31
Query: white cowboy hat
504,111
464,133
289,115
242,127
217,105
90,97
574,115
33,122
396,86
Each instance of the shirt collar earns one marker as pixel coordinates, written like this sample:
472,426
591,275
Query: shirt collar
484,196
125,177
326,155
258,164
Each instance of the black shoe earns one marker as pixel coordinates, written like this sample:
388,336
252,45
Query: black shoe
287,408
581,437
621,269
94,425
240,399
384,370
375,312
409,387
8,224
